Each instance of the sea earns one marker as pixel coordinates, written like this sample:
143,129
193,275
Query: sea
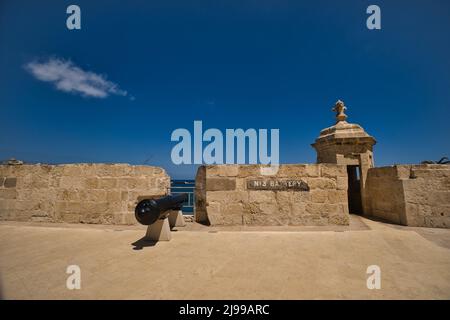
184,186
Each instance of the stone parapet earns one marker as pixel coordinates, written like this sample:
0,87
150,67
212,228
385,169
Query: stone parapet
412,195
313,194
77,193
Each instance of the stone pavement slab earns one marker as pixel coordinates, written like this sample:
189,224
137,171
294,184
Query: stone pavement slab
272,263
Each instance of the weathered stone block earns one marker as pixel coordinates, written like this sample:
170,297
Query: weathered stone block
261,196
113,196
71,217
298,209
68,195
331,170
29,205
301,197
441,211
7,204
68,182
339,220
74,207
145,170
223,170
10,182
322,183
323,210
227,196
142,183
336,196
229,171
24,215
299,170
39,182
439,197
91,183
220,184
319,196
8,194
107,183
72,170
249,170
129,218
342,183
93,195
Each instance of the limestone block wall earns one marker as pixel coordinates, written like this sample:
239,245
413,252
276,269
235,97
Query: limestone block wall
337,153
384,195
77,193
413,195
223,196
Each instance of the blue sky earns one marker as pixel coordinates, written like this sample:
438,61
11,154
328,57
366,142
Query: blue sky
231,64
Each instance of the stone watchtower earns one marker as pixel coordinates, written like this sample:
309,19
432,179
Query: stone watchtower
348,144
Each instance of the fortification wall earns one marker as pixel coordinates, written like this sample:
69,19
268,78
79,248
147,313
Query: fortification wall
427,196
77,193
413,195
384,195
242,195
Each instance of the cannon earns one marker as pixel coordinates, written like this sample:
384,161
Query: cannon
148,211
443,160
160,215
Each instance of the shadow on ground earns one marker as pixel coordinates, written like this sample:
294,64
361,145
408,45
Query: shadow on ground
143,243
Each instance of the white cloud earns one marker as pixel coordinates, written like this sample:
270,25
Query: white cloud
67,77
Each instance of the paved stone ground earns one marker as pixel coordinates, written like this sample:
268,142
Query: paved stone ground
225,263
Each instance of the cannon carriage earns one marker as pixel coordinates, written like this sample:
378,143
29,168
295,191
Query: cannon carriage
160,215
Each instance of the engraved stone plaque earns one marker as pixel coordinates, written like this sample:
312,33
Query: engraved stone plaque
277,184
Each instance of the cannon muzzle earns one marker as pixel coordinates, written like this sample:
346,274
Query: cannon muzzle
148,211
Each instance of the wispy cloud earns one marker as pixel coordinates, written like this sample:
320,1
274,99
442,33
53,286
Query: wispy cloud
68,77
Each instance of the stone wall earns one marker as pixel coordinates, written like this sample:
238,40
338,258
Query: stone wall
77,193
223,196
384,195
413,195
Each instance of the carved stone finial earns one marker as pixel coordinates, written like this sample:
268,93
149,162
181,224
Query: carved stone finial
339,108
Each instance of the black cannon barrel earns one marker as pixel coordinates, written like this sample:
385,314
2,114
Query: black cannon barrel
148,211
